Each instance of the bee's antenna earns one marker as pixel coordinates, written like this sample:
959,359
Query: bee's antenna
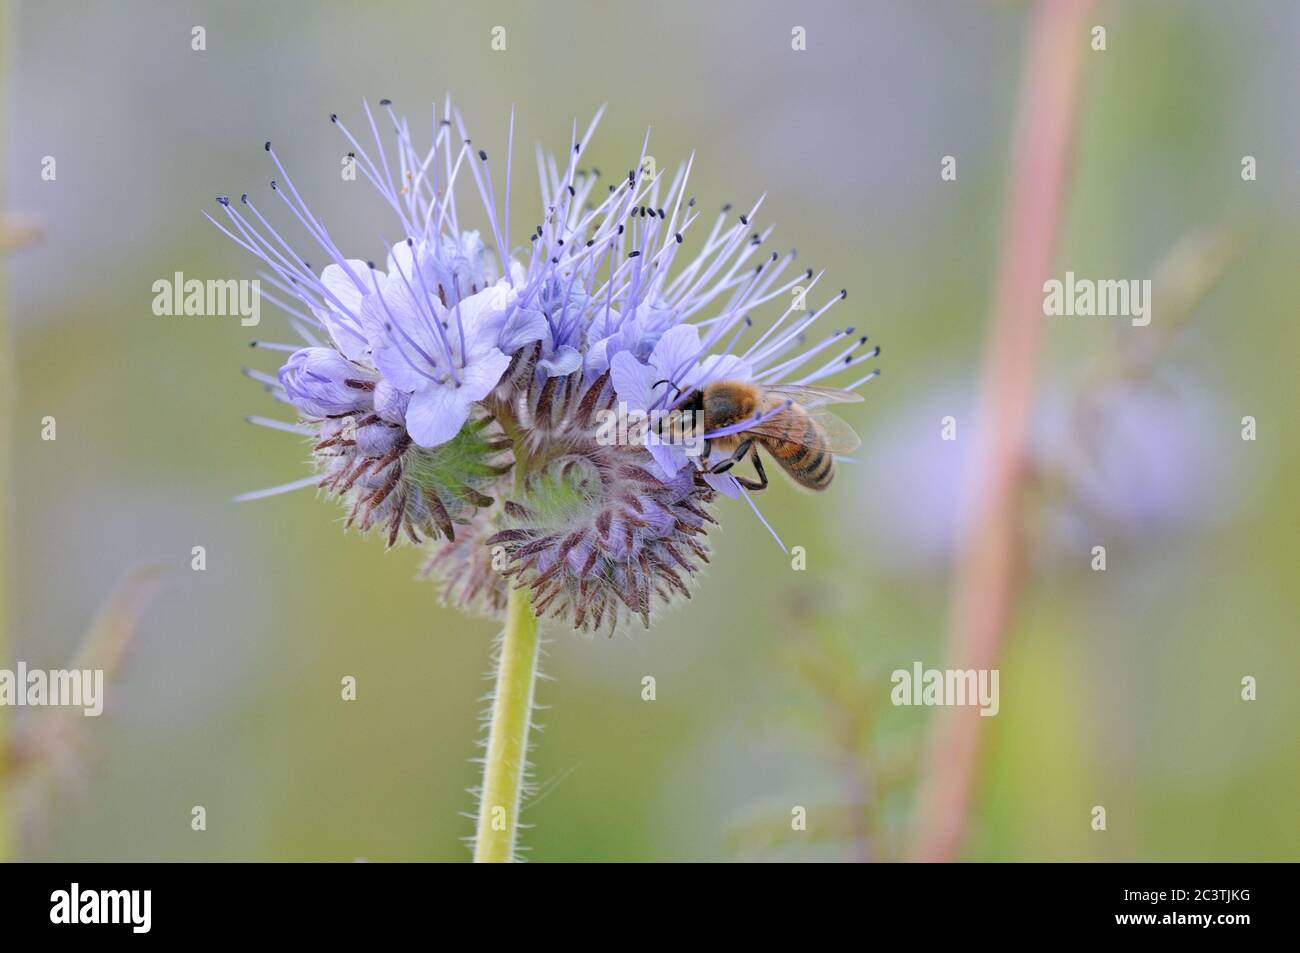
670,384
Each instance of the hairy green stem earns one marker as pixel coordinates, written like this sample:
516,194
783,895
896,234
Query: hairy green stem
507,750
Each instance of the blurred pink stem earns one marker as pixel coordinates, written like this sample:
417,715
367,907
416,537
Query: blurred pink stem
987,574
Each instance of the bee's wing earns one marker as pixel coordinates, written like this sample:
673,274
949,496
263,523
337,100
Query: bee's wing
840,437
813,396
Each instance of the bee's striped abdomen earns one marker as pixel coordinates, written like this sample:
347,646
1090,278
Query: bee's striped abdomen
802,449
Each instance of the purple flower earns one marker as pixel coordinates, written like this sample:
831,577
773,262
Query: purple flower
445,359
642,385
675,365
460,265
323,383
471,355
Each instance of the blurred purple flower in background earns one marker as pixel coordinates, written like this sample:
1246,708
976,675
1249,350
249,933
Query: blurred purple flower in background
1133,460
1129,459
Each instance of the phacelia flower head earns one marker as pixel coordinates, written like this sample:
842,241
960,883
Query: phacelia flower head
457,392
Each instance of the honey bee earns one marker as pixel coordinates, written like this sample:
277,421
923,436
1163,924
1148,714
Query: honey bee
786,421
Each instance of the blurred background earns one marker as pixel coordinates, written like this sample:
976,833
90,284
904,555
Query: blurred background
1119,688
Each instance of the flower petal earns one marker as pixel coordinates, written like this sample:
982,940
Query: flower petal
404,345
724,483
482,319
478,379
631,380
524,327
345,289
315,379
720,367
564,361
343,307
436,414
669,457
390,402
676,352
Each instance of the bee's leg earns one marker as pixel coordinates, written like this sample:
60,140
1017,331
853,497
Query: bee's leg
761,483
724,465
